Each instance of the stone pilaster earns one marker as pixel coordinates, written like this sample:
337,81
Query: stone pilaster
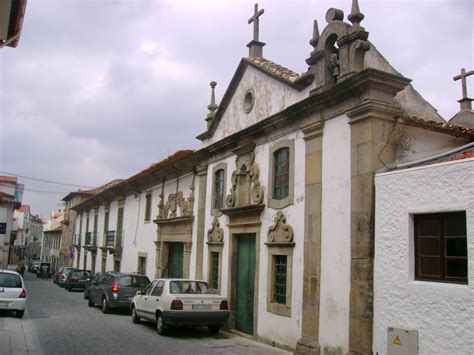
309,341
371,148
201,220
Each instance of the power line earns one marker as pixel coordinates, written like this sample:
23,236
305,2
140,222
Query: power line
47,192
47,181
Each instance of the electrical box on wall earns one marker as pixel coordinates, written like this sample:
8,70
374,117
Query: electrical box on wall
402,341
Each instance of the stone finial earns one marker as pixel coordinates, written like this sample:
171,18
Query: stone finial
465,101
314,41
212,106
255,46
355,17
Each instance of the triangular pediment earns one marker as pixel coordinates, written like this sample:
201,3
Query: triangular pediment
258,89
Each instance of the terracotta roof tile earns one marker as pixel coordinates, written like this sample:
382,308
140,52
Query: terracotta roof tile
23,208
456,130
8,178
275,69
463,155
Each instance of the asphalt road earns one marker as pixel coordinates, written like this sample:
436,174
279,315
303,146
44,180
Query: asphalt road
64,324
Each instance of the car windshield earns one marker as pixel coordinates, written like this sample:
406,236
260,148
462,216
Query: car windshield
133,281
67,271
10,280
189,286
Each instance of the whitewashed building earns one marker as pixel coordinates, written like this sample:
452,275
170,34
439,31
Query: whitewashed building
276,210
424,243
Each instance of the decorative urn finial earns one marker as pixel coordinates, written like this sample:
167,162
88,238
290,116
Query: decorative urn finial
212,106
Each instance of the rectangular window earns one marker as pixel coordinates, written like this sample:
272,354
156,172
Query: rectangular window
218,189
118,242
214,270
441,247
80,230
148,207
279,290
281,180
94,233
104,261
142,265
117,265
106,222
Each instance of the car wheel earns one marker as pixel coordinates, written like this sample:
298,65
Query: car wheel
105,306
213,329
89,302
86,296
19,314
135,317
160,325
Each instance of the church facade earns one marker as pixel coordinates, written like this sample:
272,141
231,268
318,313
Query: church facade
276,210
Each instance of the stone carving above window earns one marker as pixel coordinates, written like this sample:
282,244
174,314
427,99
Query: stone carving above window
216,233
246,188
280,233
169,209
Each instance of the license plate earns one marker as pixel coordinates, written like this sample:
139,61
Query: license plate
201,307
3,303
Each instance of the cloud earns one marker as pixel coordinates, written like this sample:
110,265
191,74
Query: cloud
98,90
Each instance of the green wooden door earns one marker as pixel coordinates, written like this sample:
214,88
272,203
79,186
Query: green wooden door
175,260
245,283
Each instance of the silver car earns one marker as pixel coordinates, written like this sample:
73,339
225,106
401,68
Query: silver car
12,292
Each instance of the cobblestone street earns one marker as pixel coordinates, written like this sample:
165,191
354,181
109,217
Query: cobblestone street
59,322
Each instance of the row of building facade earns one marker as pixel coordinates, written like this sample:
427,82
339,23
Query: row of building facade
293,207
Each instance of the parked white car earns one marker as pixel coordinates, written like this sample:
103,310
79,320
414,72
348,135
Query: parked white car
12,292
174,302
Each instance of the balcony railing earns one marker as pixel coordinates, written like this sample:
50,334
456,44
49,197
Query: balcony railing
110,238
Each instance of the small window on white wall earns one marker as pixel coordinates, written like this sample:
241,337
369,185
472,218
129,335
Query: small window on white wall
441,247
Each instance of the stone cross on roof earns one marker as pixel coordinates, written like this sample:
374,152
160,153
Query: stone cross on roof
256,21
465,101
255,46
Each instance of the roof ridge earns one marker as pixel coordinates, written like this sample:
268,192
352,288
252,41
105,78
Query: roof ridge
455,128
274,68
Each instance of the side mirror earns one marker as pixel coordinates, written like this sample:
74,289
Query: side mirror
138,293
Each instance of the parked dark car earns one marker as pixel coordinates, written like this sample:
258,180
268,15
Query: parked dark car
113,290
77,279
44,270
62,275
88,284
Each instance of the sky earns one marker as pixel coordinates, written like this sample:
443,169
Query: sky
101,89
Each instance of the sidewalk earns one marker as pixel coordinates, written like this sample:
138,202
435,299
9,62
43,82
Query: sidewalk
17,336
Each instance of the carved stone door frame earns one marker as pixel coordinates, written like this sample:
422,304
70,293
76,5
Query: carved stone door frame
173,230
243,220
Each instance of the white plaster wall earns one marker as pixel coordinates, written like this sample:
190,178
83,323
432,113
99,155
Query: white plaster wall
442,313
282,330
271,96
335,236
272,327
223,220
421,143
